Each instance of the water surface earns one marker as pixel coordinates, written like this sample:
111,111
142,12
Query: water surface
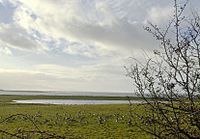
74,102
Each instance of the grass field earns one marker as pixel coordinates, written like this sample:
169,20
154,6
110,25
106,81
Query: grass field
68,121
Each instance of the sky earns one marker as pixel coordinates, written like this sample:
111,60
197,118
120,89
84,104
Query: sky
76,45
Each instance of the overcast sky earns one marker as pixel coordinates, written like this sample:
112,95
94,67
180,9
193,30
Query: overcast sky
76,45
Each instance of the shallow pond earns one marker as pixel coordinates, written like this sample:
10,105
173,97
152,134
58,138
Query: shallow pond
74,102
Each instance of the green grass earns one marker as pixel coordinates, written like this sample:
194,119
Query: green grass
70,121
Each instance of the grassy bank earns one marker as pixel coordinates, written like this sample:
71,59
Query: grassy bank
69,121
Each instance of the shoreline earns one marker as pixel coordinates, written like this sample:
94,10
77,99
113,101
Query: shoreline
10,98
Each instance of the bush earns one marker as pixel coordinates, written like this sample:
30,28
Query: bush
169,83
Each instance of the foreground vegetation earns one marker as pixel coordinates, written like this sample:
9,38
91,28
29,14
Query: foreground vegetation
66,121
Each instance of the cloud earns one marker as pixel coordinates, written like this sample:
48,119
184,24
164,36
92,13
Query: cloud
160,15
57,77
86,42
111,24
43,82
79,49
13,36
87,50
82,73
106,23
5,50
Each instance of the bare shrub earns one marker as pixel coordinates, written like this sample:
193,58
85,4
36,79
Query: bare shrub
169,83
